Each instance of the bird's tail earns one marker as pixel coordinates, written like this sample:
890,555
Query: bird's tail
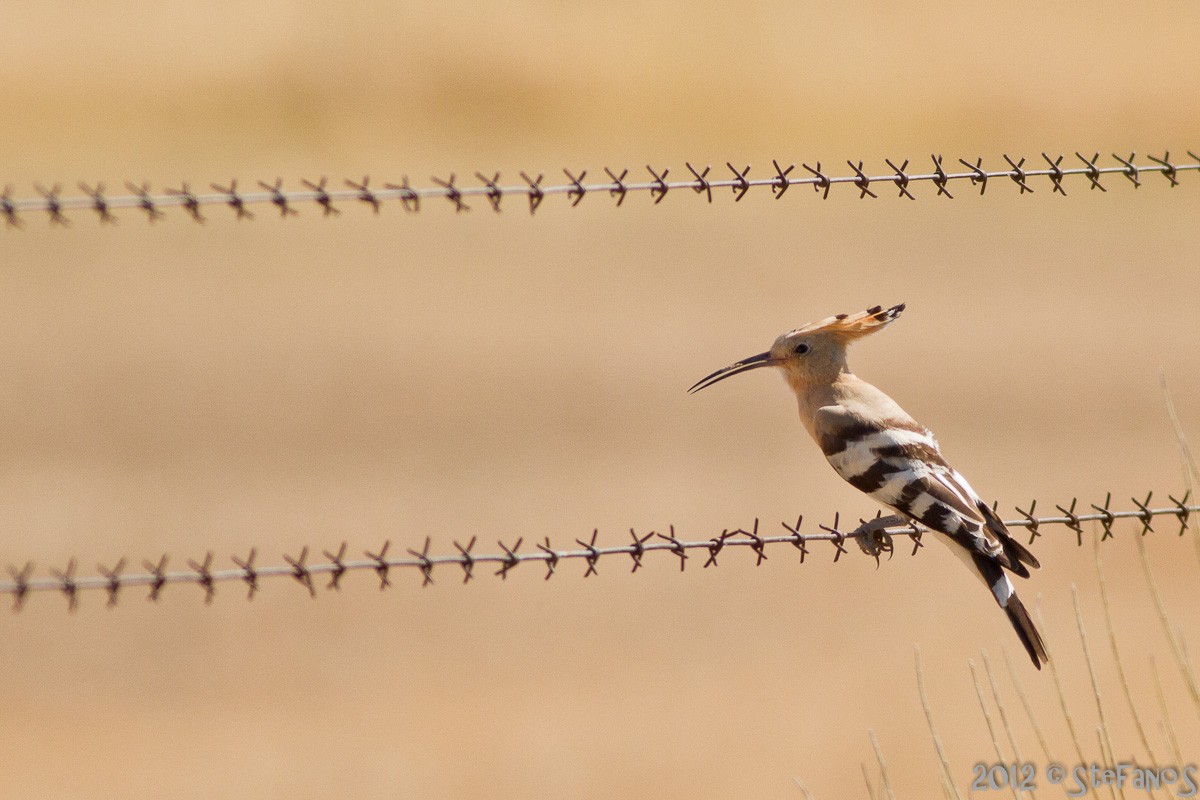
1025,629
1002,589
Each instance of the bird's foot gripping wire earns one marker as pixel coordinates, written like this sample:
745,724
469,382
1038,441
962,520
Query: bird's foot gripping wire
873,538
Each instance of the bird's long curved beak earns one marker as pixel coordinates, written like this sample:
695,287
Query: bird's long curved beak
753,362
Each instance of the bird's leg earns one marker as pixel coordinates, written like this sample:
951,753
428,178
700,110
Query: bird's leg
872,537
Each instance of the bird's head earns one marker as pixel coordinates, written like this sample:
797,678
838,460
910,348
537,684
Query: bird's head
814,353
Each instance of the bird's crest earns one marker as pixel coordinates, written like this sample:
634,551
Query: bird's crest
855,326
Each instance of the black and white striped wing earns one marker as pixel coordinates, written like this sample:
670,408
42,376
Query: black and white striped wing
898,463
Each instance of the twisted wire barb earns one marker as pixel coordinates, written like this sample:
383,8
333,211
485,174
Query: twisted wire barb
203,574
55,205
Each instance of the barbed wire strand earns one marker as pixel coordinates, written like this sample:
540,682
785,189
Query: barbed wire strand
55,204
22,582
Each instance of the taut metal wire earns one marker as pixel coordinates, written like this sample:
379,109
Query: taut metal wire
55,204
156,575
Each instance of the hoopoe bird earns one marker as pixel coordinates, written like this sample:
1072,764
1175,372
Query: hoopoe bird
879,449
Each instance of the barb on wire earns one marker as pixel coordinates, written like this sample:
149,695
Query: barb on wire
535,191
1018,174
819,180
51,204
146,202
234,200
453,193
861,180
189,201
660,187
204,574
1056,173
279,198
577,190
1093,171
321,196
901,178
364,193
493,189
741,183
99,202
781,181
657,185
339,567
702,185
618,189
940,178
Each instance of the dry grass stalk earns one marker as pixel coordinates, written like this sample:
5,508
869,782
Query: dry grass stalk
987,717
1185,669
803,789
1012,740
1037,729
1062,698
1116,653
948,785
1106,753
1087,657
871,793
1191,473
883,770
1168,728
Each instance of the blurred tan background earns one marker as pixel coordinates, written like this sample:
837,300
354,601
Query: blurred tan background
180,388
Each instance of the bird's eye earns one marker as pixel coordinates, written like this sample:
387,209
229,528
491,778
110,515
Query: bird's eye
800,349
